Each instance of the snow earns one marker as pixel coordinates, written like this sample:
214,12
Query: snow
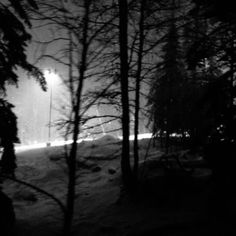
169,205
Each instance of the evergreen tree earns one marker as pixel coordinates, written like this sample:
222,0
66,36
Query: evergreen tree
166,93
8,136
213,53
13,42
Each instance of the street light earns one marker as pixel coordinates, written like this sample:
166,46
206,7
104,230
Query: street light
50,77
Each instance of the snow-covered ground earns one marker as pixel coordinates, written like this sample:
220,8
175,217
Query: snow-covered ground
173,206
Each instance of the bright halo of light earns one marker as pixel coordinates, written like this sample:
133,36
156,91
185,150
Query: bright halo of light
50,76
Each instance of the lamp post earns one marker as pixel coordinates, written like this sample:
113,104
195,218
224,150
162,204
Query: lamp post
50,78
100,121
50,118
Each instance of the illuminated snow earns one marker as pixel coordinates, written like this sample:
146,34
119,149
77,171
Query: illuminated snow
62,142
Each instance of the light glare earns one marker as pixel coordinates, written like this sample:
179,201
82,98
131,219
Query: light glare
50,76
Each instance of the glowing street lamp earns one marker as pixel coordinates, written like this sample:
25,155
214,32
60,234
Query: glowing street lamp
51,77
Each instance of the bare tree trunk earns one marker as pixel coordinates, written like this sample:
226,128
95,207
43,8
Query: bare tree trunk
137,90
77,118
123,40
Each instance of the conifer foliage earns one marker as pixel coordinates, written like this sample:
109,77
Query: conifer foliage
13,41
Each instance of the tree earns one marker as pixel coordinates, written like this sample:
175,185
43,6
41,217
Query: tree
137,88
79,26
214,52
13,40
124,75
76,120
8,136
177,100
166,96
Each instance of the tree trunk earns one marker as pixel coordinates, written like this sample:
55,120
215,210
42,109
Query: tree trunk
137,90
123,38
8,160
72,158
71,189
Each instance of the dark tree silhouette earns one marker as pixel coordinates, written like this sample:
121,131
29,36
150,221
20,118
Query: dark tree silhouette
166,95
138,86
124,74
13,42
217,48
7,215
8,136
82,51
13,39
212,53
